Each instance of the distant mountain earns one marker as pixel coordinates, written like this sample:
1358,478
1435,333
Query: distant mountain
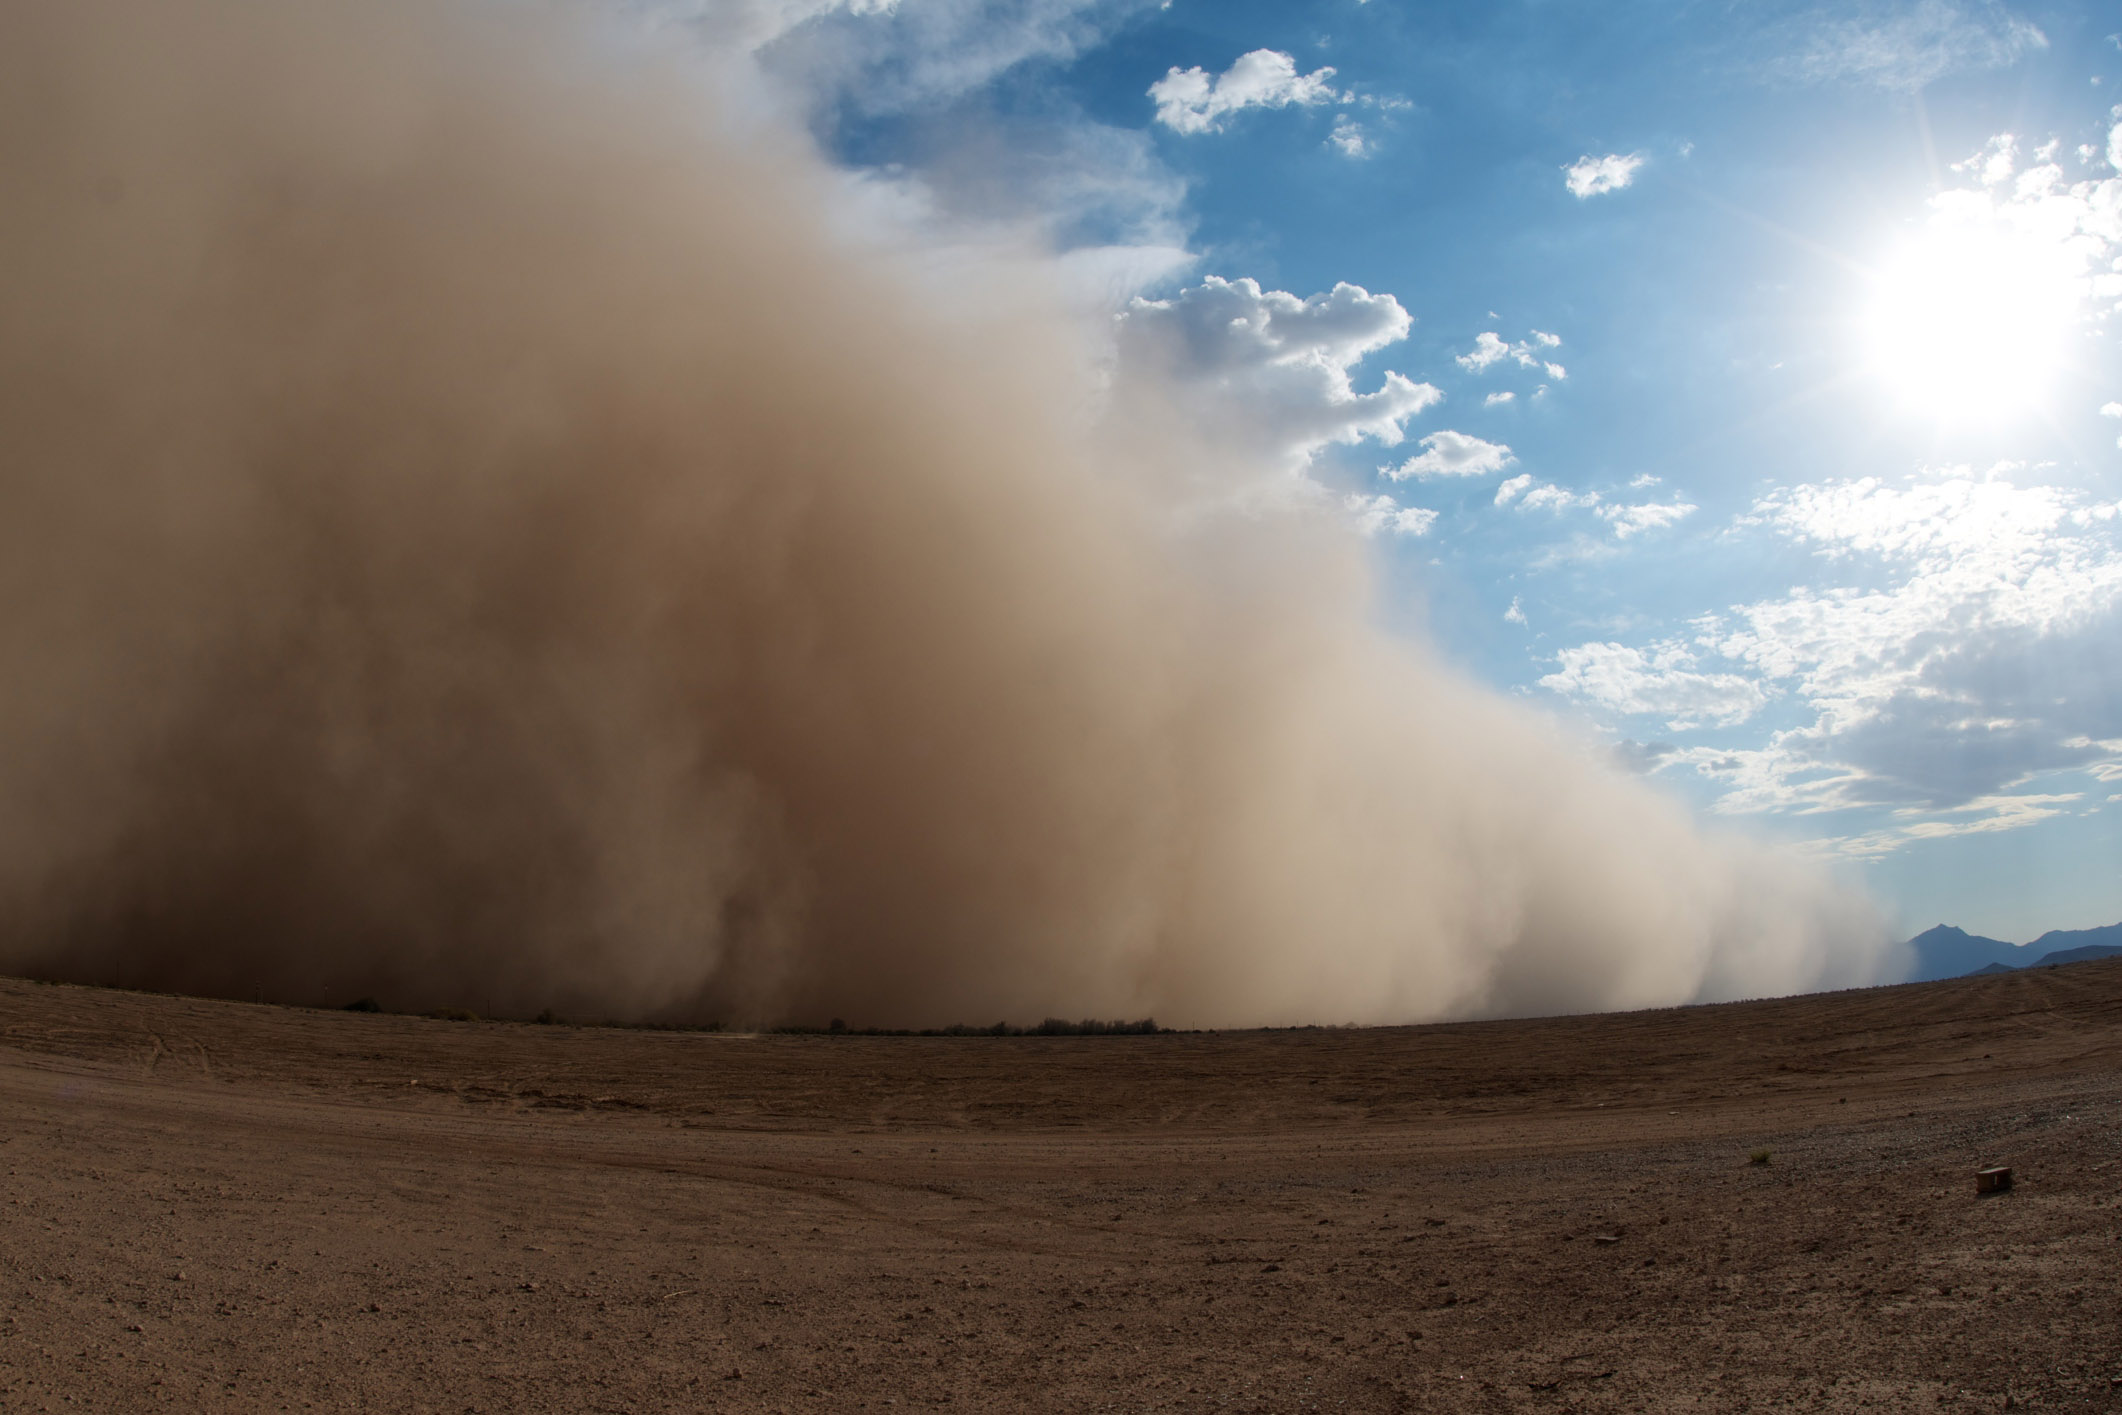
1947,952
1988,968
2077,955
2060,940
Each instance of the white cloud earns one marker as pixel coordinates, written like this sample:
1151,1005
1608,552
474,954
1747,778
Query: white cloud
1381,513
1664,682
1994,163
1266,372
1522,492
1642,481
1592,176
1633,520
1490,349
1453,454
1348,138
1497,400
1516,613
1193,101
1982,816
1550,497
1963,641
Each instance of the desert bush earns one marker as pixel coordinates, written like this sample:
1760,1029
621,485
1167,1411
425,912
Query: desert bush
1092,1027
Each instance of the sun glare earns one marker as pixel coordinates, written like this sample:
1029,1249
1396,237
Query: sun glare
1970,322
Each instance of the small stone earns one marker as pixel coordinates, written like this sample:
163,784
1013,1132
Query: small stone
1994,1180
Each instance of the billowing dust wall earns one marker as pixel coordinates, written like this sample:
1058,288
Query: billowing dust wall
471,534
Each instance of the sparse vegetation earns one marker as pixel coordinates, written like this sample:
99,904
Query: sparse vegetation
1051,1027
1762,1156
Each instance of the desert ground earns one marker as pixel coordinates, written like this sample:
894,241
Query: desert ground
217,1205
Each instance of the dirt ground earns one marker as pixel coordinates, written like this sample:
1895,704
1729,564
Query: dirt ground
213,1205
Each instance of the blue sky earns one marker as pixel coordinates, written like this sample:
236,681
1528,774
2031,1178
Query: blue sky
1728,379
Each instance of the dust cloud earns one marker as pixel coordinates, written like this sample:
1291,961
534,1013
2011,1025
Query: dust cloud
472,533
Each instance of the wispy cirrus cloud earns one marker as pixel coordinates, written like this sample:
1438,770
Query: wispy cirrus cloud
1898,44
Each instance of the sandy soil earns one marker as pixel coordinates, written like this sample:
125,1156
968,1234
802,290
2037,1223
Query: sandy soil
217,1205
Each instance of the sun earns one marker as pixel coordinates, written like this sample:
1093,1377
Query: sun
1970,321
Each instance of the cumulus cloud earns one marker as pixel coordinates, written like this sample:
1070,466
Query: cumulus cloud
1665,682
1497,400
1895,44
1633,520
1349,138
1968,637
1594,176
1528,495
1194,101
1453,454
1381,513
1488,349
1491,349
1270,371
1549,497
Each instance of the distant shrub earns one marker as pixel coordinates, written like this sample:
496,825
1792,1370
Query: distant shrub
1091,1027
547,1018
454,1014
1760,1156
364,1004
1051,1027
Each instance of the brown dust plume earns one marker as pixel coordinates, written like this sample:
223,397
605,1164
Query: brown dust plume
472,533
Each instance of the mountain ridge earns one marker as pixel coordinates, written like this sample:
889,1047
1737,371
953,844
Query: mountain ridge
1947,951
